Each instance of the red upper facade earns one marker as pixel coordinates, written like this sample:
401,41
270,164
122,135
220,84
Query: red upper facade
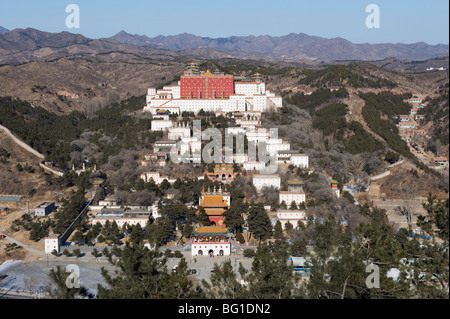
206,85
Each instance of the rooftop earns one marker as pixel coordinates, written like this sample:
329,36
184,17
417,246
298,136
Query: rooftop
295,182
10,198
215,201
207,230
266,176
46,204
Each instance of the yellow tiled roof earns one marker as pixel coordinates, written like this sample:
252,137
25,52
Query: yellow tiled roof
213,201
211,230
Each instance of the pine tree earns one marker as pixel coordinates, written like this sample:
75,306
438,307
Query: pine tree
136,235
271,276
224,284
293,206
259,222
233,216
142,274
61,290
278,234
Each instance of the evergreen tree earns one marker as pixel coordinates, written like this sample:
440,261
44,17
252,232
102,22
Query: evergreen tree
224,284
288,226
259,222
136,235
179,285
233,216
271,276
95,252
293,205
60,288
278,234
143,275
202,218
239,237
160,231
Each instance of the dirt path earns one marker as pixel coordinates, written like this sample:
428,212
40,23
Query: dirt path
356,105
21,143
25,246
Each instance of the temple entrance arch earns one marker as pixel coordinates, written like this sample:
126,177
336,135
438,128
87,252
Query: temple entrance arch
200,252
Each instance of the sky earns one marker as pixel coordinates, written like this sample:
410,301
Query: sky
401,21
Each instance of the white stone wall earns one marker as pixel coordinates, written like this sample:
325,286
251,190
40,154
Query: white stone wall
161,125
300,160
206,247
261,181
289,197
290,216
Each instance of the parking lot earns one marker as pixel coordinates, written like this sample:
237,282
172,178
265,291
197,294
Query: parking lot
203,265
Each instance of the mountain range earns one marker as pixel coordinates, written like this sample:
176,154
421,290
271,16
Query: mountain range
290,47
25,45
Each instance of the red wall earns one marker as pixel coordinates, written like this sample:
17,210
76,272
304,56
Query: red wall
206,86
216,220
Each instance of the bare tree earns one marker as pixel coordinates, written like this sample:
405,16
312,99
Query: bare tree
30,284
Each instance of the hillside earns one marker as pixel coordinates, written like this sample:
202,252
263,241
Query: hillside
20,174
66,85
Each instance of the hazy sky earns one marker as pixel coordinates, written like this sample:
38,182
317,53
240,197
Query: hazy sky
401,21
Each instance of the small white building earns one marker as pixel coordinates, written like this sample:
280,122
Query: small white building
161,125
44,209
164,117
108,201
235,130
260,181
178,132
157,178
132,217
291,216
258,135
240,158
274,145
418,117
254,166
404,118
52,243
407,125
250,124
442,161
300,160
164,146
290,196
210,241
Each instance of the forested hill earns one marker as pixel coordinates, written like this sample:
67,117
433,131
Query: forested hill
52,135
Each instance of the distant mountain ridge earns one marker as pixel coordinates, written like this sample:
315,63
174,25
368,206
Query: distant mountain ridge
26,45
290,47
2,29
